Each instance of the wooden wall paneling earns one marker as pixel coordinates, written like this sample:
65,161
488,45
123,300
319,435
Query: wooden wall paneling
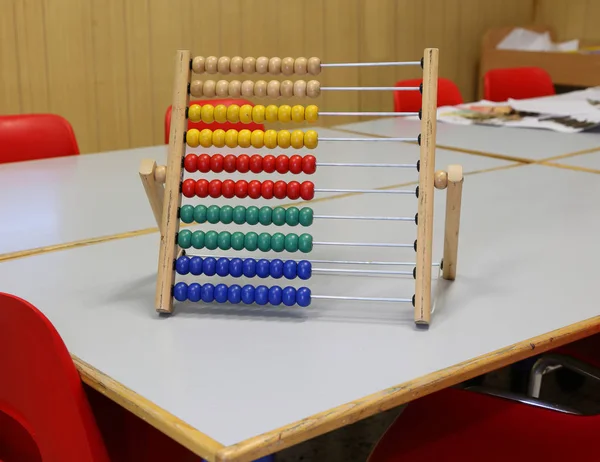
205,20
231,28
450,49
10,84
591,31
567,18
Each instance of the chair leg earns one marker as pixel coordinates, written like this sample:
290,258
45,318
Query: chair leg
549,363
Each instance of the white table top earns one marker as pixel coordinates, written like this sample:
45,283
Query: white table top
527,265
513,142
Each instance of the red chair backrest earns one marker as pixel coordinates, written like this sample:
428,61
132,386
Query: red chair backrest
44,412
213,126
448,94
35,136
517,83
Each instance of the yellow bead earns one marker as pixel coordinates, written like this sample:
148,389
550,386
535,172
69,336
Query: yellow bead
258,114
191,137
297,139
271,139
283,139
231,138
195,113
311,114
246,113
233,113
244,138
257,139
205,138
285,113
298,113
311,139
271,113
221,113
218,138
208,113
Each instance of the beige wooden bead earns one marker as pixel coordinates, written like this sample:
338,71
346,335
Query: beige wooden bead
198,64
262,65
314,66
287,66
249,65
300,65
160,174
313,88
223,65
440,179
211,65
300,88
236,65
275,66
222,88
273,89
247,88
196,88
210,88
260,88
235,88
287,89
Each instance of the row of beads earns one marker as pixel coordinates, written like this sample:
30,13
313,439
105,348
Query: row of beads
244,163
246,113
270,139
261,65
248,267
260,88
254,189
278,242
261,295
252,215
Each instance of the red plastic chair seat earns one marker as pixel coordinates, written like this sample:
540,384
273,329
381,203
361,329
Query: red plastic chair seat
448,94
517,83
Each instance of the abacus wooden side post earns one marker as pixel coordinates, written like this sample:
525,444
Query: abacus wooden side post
172,196
453,203
154,188
422,312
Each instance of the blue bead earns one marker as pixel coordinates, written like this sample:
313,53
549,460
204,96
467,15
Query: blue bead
304,269
182,265
234,293
249,267
208,293
223,267
221,293
209,267
248,294
196,266
289,269
180,291
275,295
193,292
262,268
236,267
303,296
261,295
288,296
276,268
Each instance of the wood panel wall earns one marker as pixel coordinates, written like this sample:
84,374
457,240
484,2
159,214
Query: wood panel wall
106,65
570,19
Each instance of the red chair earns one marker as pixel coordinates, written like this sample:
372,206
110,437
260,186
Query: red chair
225,126
35,136
517,83
410,101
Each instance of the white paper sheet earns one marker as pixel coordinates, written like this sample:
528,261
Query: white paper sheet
526,40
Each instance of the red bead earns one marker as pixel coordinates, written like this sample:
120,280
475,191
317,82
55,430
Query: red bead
269,163
281,164
190,163
296,164
204,163
241,188
201,188
266,189
254,189
256,163
293,190
242,163
216,163
214,188
229,163
280,189
188,188
309,164
228,188
307,190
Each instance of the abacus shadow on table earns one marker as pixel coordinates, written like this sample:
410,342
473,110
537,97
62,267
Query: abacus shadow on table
176,259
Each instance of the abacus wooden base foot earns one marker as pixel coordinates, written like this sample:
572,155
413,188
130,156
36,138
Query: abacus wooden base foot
453,204
150,174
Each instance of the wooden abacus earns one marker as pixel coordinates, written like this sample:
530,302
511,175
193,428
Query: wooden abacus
165,201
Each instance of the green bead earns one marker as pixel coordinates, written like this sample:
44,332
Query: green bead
198,239
305,243
184,239
200,213
237,241
224,240
306,216
252,215
264,215
251,241
292,216
186,213
226,214
278,242
264,242
279,216
213,214
239,215
291,242
211,240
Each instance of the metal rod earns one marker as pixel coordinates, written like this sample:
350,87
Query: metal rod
371,88
335,262
365,244
358,217
365,299
391,63
369,139
349,164
368,191
359,271
377,114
